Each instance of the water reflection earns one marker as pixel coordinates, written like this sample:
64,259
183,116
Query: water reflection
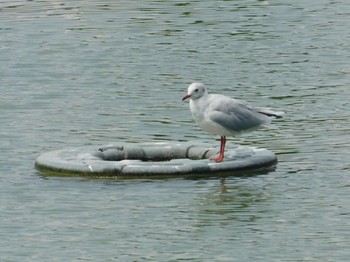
232,201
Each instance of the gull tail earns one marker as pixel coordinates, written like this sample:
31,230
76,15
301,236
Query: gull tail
270,113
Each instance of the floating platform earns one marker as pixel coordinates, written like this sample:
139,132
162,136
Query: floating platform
159,159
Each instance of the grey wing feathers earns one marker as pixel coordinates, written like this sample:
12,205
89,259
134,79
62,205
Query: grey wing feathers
236,116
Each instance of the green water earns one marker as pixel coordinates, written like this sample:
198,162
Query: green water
79,73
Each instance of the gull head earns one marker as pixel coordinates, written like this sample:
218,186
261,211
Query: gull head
195,91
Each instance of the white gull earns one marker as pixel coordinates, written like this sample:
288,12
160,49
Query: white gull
225,116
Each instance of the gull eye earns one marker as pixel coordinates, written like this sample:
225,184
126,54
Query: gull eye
196,90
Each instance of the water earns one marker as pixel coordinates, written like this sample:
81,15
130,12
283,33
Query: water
93,72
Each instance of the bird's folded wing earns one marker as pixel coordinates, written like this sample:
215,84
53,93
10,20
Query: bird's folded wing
236,116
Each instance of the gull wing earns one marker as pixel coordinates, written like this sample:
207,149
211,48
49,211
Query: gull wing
234,115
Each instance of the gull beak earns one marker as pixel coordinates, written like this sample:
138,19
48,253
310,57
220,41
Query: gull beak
185,97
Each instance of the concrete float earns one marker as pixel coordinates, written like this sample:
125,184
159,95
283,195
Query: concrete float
159,159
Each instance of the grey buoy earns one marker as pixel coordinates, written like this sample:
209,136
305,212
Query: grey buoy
160,159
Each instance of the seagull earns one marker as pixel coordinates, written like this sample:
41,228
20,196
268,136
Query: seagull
225,116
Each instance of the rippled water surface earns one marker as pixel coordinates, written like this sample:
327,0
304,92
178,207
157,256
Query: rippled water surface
93,72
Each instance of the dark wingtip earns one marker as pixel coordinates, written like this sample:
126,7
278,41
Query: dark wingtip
271,115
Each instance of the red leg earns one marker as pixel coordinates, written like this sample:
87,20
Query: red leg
220,157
